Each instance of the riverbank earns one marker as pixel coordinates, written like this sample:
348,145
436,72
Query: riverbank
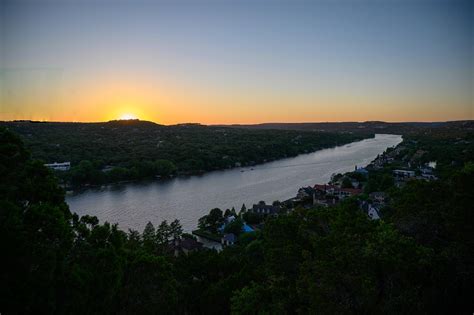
67,177
101,153
133,204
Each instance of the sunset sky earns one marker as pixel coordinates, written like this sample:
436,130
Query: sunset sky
228,61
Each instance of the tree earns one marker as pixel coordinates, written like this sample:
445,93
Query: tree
253,218
346,183
149,287
175,229
134,239
243,209
255,299
164,233
149,237
164,167
213,221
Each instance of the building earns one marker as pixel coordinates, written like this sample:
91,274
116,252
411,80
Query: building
228,239
378,196
325,201
403,173
373,211
335,191
262,208
427,173
186,246
65,166
247,228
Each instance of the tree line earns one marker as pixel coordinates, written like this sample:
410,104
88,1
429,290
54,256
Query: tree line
127,150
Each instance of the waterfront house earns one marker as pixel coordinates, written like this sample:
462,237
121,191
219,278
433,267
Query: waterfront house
186,246
262,208
64,166
338,192
245,227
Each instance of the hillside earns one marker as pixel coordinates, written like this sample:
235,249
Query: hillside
124,150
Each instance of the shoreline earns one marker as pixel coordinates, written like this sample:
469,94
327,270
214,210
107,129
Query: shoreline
73,190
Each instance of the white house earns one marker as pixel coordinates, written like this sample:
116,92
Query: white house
373,213
65,166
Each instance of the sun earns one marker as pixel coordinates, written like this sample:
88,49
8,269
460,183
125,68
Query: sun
127,117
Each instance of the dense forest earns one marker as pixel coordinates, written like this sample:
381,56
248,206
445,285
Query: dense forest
401,128
419,259
125,150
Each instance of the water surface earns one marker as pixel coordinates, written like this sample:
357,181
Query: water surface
132,205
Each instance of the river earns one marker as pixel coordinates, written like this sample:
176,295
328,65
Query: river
132,205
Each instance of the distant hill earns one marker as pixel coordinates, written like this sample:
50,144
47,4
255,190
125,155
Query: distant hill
359,127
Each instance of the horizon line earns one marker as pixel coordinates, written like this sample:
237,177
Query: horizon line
237,124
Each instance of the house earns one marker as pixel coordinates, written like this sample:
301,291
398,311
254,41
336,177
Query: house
378,196
427,173
325,201
65,166
245,228
228,239
403,173
325,189
335,191
371,210
186,246
349,192
262,208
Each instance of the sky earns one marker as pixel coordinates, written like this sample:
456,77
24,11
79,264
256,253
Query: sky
223,61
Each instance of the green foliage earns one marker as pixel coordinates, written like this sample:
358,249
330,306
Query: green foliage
149,286
149,237
419,259
235,227
253,218
346,183
118,151
212,222
379,181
